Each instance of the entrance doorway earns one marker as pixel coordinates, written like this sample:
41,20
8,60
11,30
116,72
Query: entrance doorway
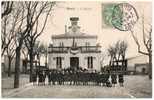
74,62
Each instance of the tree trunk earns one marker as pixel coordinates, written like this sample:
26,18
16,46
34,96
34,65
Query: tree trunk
124,65
117,65
150,66
46,60
17,68
9,67
39,63
110,63
31,64
26,60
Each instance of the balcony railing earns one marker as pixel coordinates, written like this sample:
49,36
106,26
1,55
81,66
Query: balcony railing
90,49
82,49
58,50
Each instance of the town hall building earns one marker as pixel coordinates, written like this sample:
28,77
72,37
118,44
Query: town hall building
74,49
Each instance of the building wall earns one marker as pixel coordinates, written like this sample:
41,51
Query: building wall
82,60
143,59
139,68
79,41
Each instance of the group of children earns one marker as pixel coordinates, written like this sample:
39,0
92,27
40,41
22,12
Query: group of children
79,77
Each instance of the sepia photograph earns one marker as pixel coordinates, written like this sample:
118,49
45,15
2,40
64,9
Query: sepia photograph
76,49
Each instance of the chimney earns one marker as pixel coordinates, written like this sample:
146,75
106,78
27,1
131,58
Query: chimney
74,21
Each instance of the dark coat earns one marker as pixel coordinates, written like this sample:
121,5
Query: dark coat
40,77
121,78
114,78
34,77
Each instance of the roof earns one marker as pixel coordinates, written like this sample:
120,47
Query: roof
135,57
77,35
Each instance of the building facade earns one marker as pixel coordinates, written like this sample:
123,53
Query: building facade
138,64
74,49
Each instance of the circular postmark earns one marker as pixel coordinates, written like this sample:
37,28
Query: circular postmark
124,16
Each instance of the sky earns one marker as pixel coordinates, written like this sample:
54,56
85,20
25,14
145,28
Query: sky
90,20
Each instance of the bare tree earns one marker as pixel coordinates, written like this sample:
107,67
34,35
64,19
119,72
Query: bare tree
8,30
6,36
10,54
28,20
9,25
117,53
38,28
111,54
122,49
7,7
21,33
147,41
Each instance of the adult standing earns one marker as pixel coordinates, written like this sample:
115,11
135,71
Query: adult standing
34,77
40,78
49,77
114,79
43,77
121,79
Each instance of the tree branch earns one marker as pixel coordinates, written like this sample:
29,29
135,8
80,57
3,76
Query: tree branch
136,41
9,5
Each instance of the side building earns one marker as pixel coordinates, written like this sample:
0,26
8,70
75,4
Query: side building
74,49
138,64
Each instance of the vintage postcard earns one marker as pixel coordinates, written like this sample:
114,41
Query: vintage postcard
76,49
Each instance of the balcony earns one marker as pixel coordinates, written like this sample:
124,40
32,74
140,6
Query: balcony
58,50
82,49
90,49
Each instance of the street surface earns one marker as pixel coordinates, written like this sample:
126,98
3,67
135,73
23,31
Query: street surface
134,87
